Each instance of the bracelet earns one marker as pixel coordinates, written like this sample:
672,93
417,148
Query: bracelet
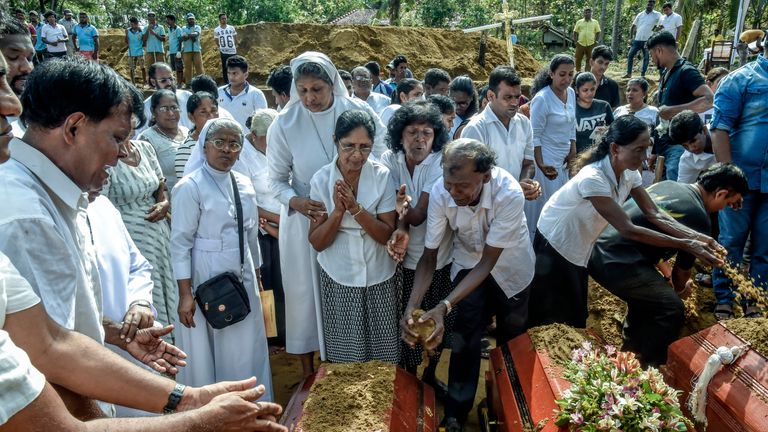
141,303
174,398
447,305
359,210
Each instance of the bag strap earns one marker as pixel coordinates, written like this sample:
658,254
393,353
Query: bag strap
240,234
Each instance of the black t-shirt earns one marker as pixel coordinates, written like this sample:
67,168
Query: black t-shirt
587,119
677,87
679,200
608,90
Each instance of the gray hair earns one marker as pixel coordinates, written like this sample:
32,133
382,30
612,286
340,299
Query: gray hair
222,124
361,71
261,120
470,149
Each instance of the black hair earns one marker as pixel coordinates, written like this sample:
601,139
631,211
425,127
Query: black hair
482,95
467,148
416,112
502,74
204,83
197,98
137,105
280,79
684,126
237,61
406,85
435,76
666,5
313,70
583,78
602,51
351,120
443,103
152,69
133,19
640,82
154,101
373,67
543,78
171,17
662,38
464,84
49,13
11,26
55,90
398,60
18,11
346,76
724,176
221,14
623,131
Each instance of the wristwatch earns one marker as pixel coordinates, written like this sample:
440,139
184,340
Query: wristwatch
174,398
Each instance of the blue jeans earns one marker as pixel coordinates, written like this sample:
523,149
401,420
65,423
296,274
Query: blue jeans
637,46
735,227
671,153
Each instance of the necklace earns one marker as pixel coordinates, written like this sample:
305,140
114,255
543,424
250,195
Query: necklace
162,132
317,132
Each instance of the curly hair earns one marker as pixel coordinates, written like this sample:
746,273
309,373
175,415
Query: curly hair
416,112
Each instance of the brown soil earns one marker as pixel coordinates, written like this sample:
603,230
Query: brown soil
424,329
558,341
267,45
752,330
350,398
606,314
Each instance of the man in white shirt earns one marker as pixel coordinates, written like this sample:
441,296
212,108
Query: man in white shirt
508,134
670,21
162,77
642,29
362,86
238,97
226,39
493,263
54,35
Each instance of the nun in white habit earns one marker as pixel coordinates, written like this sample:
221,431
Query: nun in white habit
300,142
205,243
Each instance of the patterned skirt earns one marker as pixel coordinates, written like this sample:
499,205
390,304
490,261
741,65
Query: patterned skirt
361,323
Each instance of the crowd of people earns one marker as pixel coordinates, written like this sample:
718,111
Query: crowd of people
152,225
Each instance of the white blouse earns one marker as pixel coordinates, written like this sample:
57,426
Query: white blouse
354,258
554,125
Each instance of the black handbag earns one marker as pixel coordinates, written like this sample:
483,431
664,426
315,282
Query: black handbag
223,299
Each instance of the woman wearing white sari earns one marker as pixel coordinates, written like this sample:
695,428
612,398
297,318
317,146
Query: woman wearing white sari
300,142
204,244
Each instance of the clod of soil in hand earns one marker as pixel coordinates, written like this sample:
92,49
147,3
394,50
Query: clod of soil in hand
352,397
424,329
558,341
752,330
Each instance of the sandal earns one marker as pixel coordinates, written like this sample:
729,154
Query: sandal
704,279
723,312
753,312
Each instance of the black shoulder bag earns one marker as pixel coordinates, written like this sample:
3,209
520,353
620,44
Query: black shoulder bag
223,298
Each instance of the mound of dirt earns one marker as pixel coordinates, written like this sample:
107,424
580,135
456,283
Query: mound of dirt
752,330
558,341
267,45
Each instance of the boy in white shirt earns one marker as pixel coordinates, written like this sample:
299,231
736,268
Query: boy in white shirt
238,97
226,39
687,129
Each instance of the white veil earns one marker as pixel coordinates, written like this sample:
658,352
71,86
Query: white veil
197,157
339,90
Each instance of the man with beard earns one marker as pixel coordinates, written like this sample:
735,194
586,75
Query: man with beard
86,39
19,54
40,48
22,17
162,77
69,24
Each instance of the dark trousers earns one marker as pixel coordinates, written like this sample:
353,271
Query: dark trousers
559,289
655,312
271,278
473,312
637,46
224,58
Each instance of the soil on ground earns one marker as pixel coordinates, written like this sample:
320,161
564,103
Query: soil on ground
752,330
558,341
267,45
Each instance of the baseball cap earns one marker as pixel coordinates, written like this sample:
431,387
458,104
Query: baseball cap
190,15
34,13
150,13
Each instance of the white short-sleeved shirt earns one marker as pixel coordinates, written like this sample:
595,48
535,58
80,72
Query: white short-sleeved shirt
649,114
512,145
20,382
497,221
260,180
377,101
54,33
425,175
671,22
570,222
644,23
242,105
225,39
354,258
691,165
387,113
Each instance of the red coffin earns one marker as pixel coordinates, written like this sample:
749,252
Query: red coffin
737,397
522,386
413,406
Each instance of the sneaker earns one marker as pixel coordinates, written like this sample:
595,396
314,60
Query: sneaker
452,425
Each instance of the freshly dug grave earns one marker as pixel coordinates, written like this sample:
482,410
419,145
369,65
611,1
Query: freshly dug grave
350,398
267,45
558,341
752,330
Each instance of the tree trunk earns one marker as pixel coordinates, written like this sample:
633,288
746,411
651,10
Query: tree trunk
603,7
616,34
394,12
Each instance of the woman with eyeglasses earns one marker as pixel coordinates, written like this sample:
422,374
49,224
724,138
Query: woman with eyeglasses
358,282
201,107
165,134
204,243
136,186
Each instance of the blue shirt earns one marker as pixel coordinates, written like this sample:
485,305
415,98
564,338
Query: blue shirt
135,44
189,44
86,36
174,36
154,45
39,45
741,105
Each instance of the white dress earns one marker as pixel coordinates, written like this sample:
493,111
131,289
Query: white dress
299,143
554,126
204,243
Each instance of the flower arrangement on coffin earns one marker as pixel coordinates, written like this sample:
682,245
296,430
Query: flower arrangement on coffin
611,392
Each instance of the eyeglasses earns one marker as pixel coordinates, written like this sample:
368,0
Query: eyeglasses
169,108
351,149
414,134
166,80
233,146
